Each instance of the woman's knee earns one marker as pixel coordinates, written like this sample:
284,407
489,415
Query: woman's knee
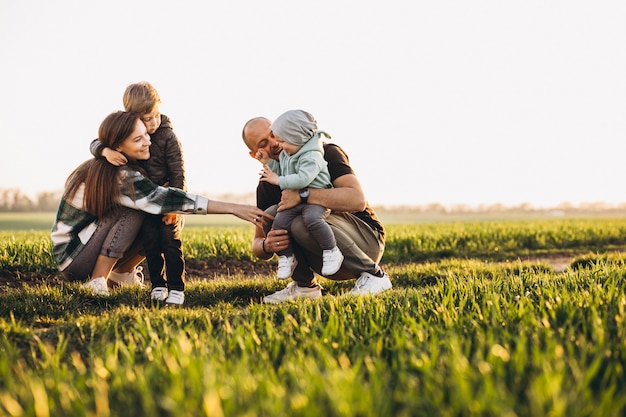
134,218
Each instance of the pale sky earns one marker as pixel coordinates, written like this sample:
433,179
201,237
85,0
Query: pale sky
451,102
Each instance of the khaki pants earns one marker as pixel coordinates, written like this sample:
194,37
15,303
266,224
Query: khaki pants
359,243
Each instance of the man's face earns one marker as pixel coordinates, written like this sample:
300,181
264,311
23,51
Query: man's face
259,137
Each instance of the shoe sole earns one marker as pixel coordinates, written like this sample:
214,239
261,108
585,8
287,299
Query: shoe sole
383,289
304,297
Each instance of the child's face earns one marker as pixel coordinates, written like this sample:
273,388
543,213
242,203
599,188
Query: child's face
290,148
152,120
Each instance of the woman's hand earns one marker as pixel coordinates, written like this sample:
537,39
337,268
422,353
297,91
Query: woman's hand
252,214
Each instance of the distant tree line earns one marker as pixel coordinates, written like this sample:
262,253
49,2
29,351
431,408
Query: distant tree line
15,200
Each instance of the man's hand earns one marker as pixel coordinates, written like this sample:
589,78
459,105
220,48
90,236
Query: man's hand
288,199
276,240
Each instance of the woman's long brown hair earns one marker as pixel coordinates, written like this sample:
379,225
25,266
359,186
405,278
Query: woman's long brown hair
102,190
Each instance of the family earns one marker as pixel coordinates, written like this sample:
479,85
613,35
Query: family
129,201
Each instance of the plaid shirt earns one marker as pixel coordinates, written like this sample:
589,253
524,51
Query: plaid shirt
74,226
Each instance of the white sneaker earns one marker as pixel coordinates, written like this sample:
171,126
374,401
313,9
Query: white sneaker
292,292
369,284
158,294
128,278
176,298
286,266
331,261
97,286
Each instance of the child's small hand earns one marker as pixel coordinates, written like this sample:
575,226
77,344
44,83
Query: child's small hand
170,218
262,156
268,175
114,157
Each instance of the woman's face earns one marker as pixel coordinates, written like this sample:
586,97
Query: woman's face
137,144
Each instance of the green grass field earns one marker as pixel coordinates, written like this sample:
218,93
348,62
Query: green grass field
473,326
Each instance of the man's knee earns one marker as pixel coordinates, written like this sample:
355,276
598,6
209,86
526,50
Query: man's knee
299,231
271,210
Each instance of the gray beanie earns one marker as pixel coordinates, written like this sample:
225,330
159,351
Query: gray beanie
295,127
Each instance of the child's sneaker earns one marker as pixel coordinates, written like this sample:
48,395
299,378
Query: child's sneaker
128,278
158,294
175,298
286,266
97,286
331,261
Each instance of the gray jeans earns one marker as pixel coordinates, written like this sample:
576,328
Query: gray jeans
313,218
115,237
359,243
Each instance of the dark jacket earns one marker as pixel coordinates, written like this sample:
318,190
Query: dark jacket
166,164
